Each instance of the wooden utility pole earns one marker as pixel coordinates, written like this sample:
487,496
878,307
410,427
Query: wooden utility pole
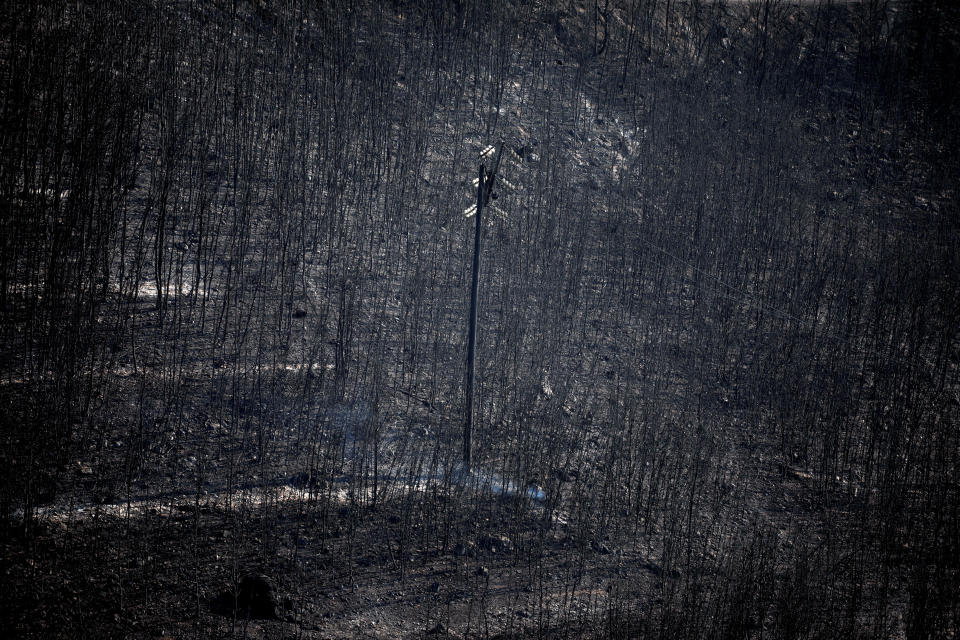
484,189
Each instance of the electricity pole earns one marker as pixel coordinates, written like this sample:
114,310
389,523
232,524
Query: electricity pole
484,189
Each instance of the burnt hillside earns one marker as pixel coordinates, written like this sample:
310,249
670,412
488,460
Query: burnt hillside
717,383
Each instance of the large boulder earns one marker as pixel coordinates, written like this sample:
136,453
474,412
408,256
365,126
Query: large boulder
252,597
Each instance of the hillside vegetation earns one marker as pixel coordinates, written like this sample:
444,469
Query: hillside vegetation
717,377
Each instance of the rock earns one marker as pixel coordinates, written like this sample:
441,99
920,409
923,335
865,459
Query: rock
437,630
253,597
495,543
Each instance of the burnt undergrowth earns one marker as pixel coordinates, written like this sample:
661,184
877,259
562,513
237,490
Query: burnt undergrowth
717,378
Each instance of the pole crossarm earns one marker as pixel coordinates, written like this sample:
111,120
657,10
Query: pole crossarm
492,174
